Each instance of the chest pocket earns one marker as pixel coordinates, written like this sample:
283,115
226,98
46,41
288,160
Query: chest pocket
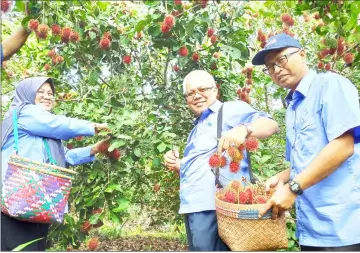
308,134
205,139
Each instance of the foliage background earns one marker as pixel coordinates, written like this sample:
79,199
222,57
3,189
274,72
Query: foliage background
143,102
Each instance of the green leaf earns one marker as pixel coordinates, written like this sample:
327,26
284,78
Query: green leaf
123,205
114,217
20,5
113,187
140,25
156,162
234,52
291,244
137,152
331,42
22,246
161,147
123,136
116,144
94,219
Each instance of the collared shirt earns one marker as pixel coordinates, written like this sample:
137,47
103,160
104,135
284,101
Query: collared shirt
34,123
197,182
322,108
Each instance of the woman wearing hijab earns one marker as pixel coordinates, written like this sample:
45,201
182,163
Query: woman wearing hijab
33,102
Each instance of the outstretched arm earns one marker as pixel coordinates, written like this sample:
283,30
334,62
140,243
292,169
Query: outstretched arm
13,44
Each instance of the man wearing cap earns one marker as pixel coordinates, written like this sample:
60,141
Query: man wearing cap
322,146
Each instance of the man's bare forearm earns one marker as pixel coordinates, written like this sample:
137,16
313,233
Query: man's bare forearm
13,44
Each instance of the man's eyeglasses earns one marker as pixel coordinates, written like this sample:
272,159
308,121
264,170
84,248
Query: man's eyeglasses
281,62
200,90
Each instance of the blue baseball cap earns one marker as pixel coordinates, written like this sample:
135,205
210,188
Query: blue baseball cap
275,42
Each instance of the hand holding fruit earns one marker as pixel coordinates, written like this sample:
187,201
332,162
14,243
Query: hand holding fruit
100,147
101,126
233,137
172,161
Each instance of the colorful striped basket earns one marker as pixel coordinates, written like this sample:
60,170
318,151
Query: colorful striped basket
242,230
33,191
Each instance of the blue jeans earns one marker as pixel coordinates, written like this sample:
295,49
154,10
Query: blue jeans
202,232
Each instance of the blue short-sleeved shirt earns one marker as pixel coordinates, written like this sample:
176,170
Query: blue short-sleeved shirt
2,54
322,108
197,182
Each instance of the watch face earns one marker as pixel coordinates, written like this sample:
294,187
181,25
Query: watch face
295,187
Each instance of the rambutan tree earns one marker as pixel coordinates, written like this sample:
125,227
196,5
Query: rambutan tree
123,63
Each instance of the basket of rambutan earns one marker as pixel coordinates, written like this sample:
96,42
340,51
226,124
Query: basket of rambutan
239,227
237,206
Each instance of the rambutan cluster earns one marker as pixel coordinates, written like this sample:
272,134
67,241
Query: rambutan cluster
168,23
244,93
105,42
240,192
235,154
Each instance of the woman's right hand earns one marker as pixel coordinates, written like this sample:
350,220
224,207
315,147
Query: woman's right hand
172,161
100,127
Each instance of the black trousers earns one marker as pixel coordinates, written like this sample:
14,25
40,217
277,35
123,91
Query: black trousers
354,247
15,232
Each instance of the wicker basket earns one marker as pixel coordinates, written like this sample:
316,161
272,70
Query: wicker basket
35,192
242,230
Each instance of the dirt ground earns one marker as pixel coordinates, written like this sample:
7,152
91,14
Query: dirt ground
138,243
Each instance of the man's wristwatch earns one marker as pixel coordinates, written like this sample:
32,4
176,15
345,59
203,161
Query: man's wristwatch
295,187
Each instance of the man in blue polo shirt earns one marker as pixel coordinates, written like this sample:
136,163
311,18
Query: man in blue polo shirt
322,145
197,182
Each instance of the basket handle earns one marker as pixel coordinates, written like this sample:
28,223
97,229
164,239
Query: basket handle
16,139
219,130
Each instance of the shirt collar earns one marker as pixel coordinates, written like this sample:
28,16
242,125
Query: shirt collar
303,88
215,107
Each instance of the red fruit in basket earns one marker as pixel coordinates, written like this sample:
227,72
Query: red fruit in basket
260,199
230,197
252,144
242,198
249,195
235,185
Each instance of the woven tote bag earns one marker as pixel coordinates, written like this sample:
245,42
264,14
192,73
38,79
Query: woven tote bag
33,191
238,224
